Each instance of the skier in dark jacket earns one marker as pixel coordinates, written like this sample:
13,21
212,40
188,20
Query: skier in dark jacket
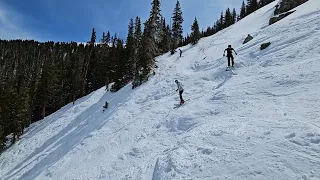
105,106
180,88
180,52
229,55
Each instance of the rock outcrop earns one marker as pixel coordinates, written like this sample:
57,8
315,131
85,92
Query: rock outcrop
286,5
279,17
265,45
283,9
248,38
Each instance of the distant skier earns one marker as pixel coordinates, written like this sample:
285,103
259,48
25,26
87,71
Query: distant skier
180,52
180,88
105,106
229,55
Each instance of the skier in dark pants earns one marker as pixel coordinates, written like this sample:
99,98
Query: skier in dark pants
180,88
229,55
180,52
105,106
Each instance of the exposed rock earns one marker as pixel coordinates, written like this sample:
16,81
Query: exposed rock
279,17
248,38
265,45
283,9
287,5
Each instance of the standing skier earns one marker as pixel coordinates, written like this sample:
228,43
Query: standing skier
180,88
180,52
229,55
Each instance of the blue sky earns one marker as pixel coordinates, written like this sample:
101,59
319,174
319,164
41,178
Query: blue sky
73,20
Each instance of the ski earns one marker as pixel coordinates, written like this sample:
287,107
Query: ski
179,105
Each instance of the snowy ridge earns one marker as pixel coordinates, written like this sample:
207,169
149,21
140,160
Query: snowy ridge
259,121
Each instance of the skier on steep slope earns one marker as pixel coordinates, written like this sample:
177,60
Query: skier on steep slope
229,55
180,88
105,106
180,52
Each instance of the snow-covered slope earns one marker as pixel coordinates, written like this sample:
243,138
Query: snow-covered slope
258,121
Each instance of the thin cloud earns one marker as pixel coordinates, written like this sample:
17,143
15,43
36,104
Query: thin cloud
10,22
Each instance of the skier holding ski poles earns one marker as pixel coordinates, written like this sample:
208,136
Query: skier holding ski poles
229,55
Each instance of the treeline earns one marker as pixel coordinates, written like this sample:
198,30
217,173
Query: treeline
230,17
38,78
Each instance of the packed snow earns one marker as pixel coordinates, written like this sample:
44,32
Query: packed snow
260,120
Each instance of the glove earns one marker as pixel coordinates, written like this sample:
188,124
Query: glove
177,90
236,54
224,55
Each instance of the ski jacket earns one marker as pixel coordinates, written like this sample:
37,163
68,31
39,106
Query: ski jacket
229,51
180,86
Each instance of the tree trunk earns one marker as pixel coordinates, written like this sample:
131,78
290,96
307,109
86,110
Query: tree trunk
43,113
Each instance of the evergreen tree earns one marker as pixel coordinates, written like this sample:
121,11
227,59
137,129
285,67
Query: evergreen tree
222,21
166,38
19,114
137,64
2,137
254,5
91,65
93,37
195,35
234,16
243,11
150,40
248,7
130,49
228,18
154,22
105,38
177,30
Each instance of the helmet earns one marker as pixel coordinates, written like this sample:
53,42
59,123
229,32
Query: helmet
176,81
229,45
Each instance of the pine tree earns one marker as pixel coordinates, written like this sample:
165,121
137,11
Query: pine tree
177,30
243,11
2,119
105,38
20,115
195,35
151,39
130,48
137,64
228,18
121,66
165,43
93,37
238,18
248,7
222,21
234,16
92,83
254,5
2,137
154,22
